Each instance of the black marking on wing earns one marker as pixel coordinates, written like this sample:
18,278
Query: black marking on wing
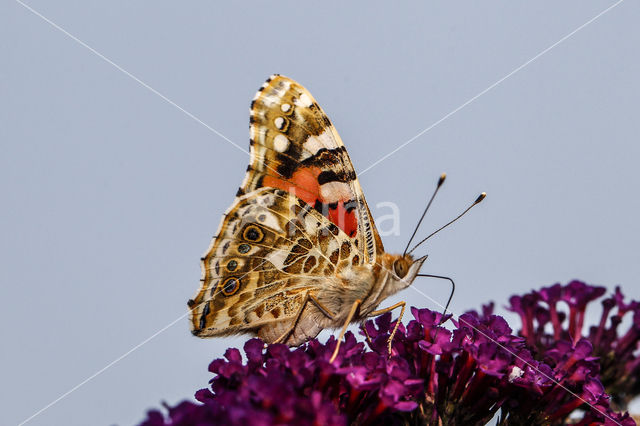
324,156
203,318
350,205
286,167
335,176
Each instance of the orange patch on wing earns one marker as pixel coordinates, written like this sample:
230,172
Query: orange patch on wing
304,185
346,220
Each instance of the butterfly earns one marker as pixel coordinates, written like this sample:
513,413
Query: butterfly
298,250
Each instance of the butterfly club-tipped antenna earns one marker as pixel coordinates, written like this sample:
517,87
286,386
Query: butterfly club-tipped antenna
440,182
476,202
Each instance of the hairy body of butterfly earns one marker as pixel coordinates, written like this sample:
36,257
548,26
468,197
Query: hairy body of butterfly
298,250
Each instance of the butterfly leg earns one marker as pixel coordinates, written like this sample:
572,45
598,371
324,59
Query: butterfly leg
400,305
307,297
352,312
366,334
320,306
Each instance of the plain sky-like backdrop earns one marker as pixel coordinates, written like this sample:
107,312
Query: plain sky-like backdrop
110,194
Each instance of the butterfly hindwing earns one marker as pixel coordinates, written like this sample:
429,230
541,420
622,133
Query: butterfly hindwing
295,147
271,249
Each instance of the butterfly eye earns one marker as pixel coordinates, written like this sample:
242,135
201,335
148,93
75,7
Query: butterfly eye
253,233
400,267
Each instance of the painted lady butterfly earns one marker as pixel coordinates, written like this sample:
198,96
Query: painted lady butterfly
297,251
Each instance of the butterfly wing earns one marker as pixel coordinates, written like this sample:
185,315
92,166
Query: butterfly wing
294,147
271,249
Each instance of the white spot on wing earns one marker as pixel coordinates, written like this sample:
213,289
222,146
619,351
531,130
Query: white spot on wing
277,258
305,100
269,100
285,107
332,192
280,143
313,144
334,245
279,122
310,224
271,221
324,140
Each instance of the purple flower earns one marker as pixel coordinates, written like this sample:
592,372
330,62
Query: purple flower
616,352
469,373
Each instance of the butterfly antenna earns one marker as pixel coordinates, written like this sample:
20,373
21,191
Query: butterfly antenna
477,201
453,290
440,182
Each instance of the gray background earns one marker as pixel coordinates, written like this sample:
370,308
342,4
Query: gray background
110,194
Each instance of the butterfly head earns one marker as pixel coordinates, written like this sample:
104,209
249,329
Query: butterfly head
403,270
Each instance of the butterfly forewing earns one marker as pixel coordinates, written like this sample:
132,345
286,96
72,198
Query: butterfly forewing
295,147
